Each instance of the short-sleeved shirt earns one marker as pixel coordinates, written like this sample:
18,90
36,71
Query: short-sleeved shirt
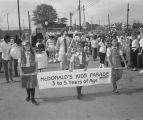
102,48
94,43
135,44
5,47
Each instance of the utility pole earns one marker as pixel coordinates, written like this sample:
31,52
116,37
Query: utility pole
91,23
83,15
7,23
128,16
79,17
75,23
23,25
109,22
71,14
29,21
20,34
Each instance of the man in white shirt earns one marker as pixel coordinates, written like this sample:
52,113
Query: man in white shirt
134,51
6,57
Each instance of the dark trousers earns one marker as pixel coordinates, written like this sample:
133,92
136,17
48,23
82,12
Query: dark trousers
79,90
15,67
94,53
30,93
102,57
0,61
7,64
47,53
0,65
134,55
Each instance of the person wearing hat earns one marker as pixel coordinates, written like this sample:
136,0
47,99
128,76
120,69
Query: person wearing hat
28,71
62,48
50,46
79,60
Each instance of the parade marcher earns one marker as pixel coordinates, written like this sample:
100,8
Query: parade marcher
141,53
79,60
114,56
87,49
28,71
128,51
16,44
134,51
102,52
123,47
0,56
62,46
94,45
5,47
50,46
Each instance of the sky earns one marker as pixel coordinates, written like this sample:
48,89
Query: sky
96,11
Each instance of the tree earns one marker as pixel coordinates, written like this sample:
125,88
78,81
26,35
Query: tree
44,13
62,20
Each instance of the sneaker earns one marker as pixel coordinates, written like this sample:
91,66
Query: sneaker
54,60
50,61
35,102
78,97
27,99
12,80
7,82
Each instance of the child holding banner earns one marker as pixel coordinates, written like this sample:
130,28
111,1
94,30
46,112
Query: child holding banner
114,56
79,60
28,71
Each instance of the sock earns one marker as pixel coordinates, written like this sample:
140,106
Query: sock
33,93
28,92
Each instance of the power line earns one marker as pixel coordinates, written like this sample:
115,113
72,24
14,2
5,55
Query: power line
90,4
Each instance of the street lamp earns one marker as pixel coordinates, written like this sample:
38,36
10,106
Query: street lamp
46,24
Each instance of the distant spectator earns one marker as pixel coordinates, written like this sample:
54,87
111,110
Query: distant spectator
6,58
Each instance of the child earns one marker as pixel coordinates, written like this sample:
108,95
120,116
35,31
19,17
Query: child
79,60
114,56
102,52
87,49
28,71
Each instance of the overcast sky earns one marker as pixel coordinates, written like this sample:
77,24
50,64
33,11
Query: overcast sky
97,10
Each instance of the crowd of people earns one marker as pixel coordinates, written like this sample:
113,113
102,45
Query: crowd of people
72,51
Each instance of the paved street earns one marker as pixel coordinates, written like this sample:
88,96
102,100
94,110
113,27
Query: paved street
98,103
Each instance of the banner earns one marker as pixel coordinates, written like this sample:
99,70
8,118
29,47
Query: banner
79,77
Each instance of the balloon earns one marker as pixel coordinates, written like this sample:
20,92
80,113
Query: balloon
42,60
15,52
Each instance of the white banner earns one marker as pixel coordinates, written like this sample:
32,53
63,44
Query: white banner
60,79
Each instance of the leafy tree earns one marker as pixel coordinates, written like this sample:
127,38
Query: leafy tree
44,13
